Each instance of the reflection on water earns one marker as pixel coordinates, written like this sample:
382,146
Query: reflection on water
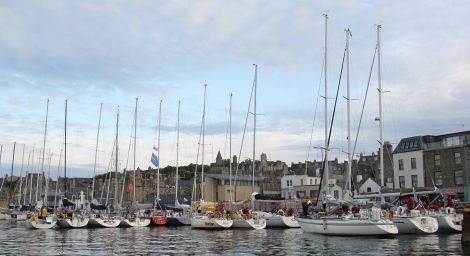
16,239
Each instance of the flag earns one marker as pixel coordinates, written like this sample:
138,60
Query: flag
130,186
438,191
154,159
184,199
382,200
415,197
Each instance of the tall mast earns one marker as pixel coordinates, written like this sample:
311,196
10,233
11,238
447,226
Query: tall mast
96,154
230,150
158,151
177,152
65,151
326,171
116,163
348,182
44,143
3,180
254,130
135,144
381,123
11,175
203,142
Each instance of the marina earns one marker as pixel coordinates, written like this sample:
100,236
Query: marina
16,239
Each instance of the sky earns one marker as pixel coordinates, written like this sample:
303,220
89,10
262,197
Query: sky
112,52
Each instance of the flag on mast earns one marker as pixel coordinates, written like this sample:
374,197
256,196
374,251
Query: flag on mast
154,158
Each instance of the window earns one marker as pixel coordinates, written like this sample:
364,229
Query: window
459,177
369,189
401,179
457,158
413,163
336,193
438,178
311,181
301,182
316,181
414,181
400,164
437,160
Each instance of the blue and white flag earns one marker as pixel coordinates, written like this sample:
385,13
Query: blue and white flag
438,191
382,200
154,158
415,197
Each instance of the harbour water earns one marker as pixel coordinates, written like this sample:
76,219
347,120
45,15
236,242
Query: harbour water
16,239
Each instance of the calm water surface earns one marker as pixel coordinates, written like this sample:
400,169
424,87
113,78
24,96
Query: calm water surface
15,238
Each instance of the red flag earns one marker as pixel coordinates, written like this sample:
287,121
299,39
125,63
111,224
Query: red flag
130,186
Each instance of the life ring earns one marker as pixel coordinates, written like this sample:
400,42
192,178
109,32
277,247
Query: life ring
390,215
280,212
449,210
401,210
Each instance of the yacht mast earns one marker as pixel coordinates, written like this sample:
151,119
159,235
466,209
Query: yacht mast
65,151
254,131
116,163
348,182
177,154
230,150
135,144
326,171
96,154
57,183
11,175
381,123
44,143
203,142
21,177
158,150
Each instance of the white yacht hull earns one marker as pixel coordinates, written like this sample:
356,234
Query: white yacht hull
19,216
416,225
203,222
350,227
138,222
449,222
103,223
249,223
79,222
278,221
37,224
184,220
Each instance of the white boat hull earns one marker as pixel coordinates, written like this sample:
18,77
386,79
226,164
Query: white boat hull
37,224
138,222
203,222
249,223
184,220
416,225
449,222
103,223
350,227
79,222
278,221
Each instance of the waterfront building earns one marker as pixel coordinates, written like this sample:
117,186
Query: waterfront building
434,160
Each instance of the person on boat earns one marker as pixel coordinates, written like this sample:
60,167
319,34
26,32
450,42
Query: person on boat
410,204
434,206
305,208
450,202
355,209
44,212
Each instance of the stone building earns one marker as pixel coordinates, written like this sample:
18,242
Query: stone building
428,161
368,166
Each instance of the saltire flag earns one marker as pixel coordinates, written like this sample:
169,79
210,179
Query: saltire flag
438,191
154,158
382,200
415,197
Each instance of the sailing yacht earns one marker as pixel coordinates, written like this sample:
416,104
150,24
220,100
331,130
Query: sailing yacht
135,218
207,216
75,219
98,215
368,222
